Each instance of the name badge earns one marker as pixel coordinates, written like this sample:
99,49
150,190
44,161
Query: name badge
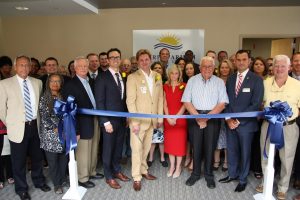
143,89
246,89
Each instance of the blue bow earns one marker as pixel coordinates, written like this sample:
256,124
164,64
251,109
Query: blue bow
276,114
67,124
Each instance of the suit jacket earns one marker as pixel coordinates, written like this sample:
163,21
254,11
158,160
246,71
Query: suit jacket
12,107
45,77
249,99
84,123
108,97
140,100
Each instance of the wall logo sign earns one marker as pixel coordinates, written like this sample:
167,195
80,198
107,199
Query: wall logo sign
170,41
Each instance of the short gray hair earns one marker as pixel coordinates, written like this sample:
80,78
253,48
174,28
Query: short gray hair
207,58
282,58
22,56
80,58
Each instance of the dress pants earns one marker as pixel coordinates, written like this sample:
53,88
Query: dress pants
57,166
5,165
30,145
255,151
112,150
204,144
286,153
140,146
239,153
87,154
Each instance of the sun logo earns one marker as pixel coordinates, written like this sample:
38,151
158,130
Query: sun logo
170,41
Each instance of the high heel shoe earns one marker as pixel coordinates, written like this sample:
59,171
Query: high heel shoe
169,174
176,175
224,167
216,166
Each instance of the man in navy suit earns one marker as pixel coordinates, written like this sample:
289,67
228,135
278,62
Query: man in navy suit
86,125
110,95
245,91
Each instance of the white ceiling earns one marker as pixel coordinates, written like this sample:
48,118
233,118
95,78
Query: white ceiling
70,7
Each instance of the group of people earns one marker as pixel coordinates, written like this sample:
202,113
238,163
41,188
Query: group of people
138,85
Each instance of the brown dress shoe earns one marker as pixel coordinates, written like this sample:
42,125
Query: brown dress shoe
297,197
137,185
148,176
113,184
296,184
281,195
122,177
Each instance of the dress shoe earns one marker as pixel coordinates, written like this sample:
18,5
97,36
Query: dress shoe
177,173
149,163
122,177
296,184
216,166
259,188
240,187
227,179
210,183
113,183
87,184
44,188
148,176
192,180
297,197
169,174
97,176
24,196
280,195
137,185
58,189
164,163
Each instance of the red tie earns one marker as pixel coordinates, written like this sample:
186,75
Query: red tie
238,86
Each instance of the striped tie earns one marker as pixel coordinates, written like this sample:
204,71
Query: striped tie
238,86
28,109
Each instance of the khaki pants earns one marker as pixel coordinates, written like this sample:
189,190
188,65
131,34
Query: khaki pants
87,154
140,147
286,153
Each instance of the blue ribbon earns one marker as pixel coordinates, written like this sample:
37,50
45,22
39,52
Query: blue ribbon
276,114
67,124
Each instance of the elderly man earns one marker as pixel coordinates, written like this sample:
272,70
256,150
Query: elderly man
284,88
144,95
204,94
245,91
19,100
87,125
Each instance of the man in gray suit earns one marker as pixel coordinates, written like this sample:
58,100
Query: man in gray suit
19,100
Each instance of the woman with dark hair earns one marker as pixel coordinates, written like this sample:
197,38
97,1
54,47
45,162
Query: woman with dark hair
180,62
49,140
158,133
71,68
260,67
189,70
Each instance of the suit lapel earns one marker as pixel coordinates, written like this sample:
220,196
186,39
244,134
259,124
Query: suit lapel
36,92
244,83
144,83
15,84
82,88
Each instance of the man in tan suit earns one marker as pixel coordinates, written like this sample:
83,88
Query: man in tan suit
144,95
18,110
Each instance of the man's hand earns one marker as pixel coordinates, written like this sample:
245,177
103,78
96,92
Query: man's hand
136,129
109,128
232,123
202,123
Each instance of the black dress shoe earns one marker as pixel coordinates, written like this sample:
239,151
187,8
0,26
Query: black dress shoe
240,187
97,176
192,180
164,163
44,188
227,179
24,196
88,184
149,163
210,184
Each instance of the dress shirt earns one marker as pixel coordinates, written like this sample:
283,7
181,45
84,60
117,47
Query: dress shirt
32,94
116,80
96,73
149,80
205,94
244,73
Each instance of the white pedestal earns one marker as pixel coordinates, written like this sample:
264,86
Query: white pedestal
268,177
75,192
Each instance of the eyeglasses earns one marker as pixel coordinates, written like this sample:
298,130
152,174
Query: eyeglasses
115,58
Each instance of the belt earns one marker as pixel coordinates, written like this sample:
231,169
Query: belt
203,111
289,122
30,123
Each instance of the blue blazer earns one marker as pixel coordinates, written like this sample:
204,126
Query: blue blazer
249,99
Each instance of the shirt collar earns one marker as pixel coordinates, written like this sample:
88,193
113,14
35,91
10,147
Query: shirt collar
243,73
146,75
113,72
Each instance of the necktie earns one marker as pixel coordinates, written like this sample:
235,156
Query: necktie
93,75
238,86
119,83
28,109
90,93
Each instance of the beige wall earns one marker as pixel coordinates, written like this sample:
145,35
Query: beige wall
1,38
68,36
258,46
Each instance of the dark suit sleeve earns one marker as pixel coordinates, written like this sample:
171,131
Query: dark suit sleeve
100,95
257,96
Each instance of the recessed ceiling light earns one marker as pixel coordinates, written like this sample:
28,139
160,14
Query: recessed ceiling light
21,8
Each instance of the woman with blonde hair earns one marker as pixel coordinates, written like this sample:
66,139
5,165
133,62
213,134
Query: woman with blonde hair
175,129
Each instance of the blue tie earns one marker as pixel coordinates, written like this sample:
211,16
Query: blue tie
90,93
28,109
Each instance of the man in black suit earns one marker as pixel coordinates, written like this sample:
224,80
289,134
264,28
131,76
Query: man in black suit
110,95
94,70
51,67
86,125
245,92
